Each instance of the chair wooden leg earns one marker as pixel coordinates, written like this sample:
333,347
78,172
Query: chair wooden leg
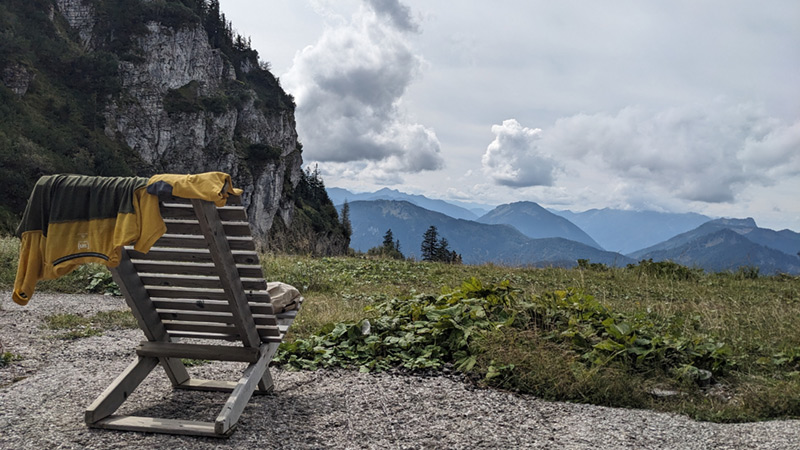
251,377
120,389
265,385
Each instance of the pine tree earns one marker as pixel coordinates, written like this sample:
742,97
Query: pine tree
442,251
434,248
388,240
213,23
430,244
347,227
390,247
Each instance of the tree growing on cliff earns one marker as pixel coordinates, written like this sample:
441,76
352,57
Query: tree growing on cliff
346,224
315,228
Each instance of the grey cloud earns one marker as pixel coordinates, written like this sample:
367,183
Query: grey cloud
349,88
776,151
706,153
398,13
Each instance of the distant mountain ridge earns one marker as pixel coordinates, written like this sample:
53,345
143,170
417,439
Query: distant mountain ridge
785,241
339,195
627,231
727,250
537,223
477,243
611,229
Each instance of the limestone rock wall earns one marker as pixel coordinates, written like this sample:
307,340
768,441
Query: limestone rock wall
202,140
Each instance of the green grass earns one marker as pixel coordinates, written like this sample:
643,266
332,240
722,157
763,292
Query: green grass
190,362
9,256
724,347
741,331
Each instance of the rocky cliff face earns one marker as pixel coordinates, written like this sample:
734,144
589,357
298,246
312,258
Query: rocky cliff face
199,141
183,110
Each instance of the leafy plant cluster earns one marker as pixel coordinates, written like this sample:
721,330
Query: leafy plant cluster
427,332
262,153
422,332
635,341
187,100
585,264
788,359
7,358
9,258
101,282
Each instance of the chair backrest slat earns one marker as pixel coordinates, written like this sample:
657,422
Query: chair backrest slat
201,335
206,305
192,255
186,212
197,281
197,241
142,266
191,227
216,317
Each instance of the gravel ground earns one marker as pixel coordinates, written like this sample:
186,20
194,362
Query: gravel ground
43,396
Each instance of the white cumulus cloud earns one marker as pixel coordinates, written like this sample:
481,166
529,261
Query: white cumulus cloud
515,157
349,88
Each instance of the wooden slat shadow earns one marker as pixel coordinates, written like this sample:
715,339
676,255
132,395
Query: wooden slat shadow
201,280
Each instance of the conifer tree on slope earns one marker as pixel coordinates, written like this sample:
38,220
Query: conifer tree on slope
430,244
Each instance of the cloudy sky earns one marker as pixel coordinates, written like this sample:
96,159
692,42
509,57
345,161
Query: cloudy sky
669,105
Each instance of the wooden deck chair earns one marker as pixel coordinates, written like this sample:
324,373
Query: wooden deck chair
201,281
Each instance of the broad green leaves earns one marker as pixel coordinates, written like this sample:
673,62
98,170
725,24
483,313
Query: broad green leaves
427,332
423,332
603,337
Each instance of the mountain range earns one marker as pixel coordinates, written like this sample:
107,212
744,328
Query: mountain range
726,250
339,196
785,241
626,231
524,233
536,222
476,242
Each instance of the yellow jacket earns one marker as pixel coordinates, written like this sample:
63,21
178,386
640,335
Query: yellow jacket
73,219
211,186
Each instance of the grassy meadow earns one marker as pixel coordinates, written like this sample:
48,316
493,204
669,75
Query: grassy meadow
720,347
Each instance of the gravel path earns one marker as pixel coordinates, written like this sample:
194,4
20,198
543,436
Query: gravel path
42,398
